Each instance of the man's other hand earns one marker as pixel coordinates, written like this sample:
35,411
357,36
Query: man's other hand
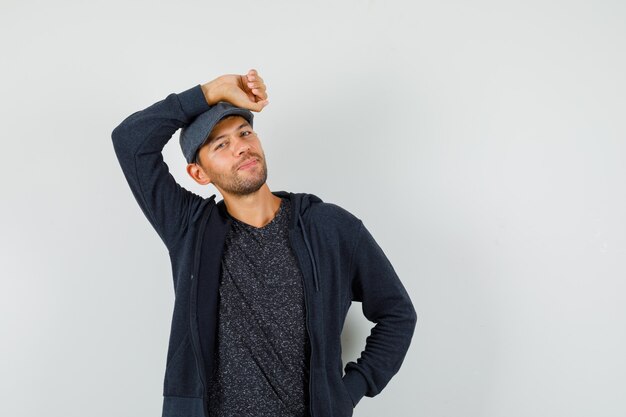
247,91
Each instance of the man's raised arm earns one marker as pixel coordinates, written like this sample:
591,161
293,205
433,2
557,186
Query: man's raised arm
140,138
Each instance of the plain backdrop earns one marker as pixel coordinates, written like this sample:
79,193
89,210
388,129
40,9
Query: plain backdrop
481,142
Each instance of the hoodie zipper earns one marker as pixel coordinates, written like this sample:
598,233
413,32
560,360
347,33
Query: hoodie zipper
308,328
308,247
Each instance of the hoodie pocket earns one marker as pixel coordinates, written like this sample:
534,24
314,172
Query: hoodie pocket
181,346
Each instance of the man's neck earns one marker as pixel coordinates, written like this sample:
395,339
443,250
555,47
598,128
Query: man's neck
256,209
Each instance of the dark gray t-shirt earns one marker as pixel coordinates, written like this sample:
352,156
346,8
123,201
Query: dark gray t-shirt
262,361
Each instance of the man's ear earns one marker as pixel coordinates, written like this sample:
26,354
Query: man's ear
198,174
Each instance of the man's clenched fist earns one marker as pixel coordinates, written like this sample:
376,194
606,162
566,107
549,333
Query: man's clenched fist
247,91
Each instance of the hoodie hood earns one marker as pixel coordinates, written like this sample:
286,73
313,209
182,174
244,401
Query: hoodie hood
301,203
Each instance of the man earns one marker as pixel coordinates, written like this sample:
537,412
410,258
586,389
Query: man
263,280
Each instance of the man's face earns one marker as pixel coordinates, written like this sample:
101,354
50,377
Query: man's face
224,158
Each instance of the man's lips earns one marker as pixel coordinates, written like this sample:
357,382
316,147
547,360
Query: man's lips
248,163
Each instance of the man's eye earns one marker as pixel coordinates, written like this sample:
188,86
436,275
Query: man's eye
245,132
218,146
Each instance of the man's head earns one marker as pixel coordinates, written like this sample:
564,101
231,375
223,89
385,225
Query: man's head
222,159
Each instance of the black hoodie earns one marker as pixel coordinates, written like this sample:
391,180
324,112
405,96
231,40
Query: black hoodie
339,259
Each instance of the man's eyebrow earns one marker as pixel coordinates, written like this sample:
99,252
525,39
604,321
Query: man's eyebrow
244,124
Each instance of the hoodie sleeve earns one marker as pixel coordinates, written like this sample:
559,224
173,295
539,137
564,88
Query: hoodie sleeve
385,302
138,142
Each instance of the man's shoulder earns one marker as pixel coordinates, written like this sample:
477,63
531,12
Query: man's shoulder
331,209
333,213
323,212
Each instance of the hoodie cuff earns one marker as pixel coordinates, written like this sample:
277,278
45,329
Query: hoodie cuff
355,384
193,101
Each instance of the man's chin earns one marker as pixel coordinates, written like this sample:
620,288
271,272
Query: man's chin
248,189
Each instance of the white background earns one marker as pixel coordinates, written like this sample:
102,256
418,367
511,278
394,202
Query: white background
482,143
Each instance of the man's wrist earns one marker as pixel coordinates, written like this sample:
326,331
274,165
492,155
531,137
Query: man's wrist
210,92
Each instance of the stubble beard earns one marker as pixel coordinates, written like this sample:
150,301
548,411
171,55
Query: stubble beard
243,182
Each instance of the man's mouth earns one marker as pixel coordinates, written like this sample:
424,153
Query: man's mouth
248,163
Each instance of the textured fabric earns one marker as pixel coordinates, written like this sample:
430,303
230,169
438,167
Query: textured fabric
262,357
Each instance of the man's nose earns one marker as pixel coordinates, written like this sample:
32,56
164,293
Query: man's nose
241,145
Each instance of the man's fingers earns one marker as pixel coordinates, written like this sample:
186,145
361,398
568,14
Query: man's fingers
258,106
259,93
257,88
256,85
253,75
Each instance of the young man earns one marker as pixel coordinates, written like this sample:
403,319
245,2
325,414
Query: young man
263,280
